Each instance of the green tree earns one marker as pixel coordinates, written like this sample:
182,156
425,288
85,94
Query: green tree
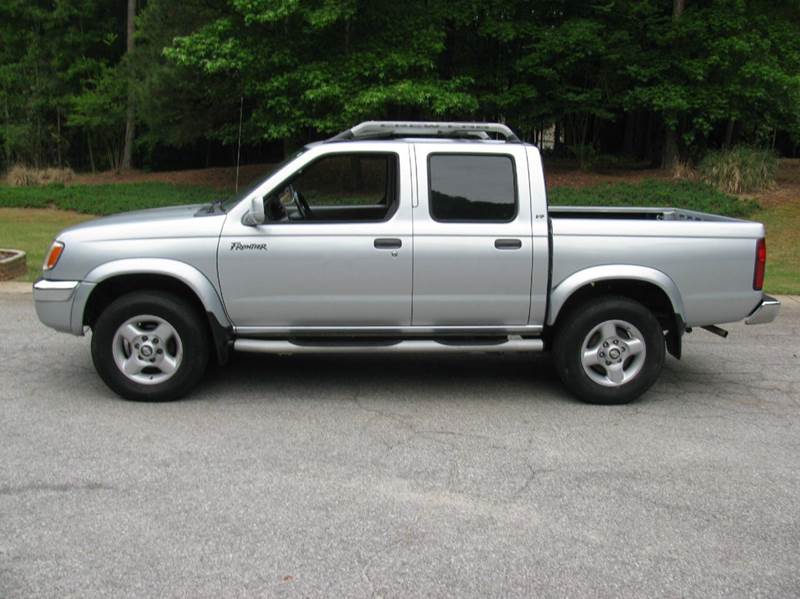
319,66
721,61
179,105
49,50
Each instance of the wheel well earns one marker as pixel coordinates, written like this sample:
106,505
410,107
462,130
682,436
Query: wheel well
648,294
110,289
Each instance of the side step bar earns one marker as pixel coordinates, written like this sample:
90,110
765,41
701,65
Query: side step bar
407,346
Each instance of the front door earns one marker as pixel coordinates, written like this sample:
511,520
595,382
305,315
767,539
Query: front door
335,251
473,253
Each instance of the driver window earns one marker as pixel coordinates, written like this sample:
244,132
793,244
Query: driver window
357,187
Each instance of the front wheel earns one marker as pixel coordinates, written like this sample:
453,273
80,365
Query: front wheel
150,346
610,351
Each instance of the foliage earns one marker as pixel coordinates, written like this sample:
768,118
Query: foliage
325,65
99,110
179,105
739,170
722,62
675,194
105,199
49,50
611,75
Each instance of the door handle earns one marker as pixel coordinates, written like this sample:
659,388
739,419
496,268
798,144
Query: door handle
388,243
508,244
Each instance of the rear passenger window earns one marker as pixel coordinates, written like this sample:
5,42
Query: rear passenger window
472,188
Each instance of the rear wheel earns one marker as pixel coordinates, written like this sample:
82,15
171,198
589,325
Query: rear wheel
609,351
150,346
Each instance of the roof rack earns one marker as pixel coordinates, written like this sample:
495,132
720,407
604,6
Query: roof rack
391,129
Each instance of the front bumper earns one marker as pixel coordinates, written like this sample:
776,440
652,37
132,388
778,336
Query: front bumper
53,301
765,312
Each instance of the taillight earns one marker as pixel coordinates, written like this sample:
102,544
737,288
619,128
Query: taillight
761,264
53,255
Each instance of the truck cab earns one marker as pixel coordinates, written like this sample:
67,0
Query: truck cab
436,234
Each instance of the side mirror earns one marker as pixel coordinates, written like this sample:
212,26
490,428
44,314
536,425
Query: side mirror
255,216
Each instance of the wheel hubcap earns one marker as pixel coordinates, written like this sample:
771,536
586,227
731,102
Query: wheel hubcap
613,353
147,349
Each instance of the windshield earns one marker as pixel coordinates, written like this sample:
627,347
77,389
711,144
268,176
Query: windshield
228,204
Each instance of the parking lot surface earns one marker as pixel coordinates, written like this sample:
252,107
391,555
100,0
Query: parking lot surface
464,476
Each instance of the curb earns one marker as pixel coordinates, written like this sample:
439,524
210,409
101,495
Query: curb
16,287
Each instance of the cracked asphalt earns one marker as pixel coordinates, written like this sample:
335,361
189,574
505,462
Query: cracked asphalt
471,476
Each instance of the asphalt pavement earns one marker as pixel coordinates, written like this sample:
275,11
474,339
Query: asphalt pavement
380,476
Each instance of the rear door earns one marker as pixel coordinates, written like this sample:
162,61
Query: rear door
472,235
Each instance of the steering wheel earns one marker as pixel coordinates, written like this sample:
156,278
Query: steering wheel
301,204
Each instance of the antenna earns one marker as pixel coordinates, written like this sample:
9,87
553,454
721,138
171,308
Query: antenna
239,144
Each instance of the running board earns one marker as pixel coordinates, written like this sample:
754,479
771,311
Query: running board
407,346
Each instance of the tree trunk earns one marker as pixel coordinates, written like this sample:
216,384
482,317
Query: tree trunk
597,125
585,129
669,156
91,153
649,150
557,135
127,151
6,138
630,129
729,132
58,135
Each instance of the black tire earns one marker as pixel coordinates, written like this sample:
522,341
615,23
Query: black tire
181,316
568,347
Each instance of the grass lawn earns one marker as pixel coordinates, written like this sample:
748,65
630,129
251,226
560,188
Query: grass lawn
32,229
783,247
105,199
676,194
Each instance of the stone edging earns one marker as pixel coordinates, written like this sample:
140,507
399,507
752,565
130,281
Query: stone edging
12,266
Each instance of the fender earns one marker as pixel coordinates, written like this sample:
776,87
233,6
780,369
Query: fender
187,274
613,272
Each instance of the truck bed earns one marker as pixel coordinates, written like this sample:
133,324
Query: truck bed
627,213
709,258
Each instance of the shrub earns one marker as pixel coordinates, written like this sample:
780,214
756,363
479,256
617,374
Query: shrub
586,154
21,176
24,176
739,170
684,171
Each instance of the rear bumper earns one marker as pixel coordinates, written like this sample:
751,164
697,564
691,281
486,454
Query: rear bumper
765,312
53,301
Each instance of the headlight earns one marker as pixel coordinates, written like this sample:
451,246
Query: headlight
53,255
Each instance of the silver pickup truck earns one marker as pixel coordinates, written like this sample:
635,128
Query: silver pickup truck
401,237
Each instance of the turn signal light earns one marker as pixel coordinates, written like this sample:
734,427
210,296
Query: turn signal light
53,255
761,264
